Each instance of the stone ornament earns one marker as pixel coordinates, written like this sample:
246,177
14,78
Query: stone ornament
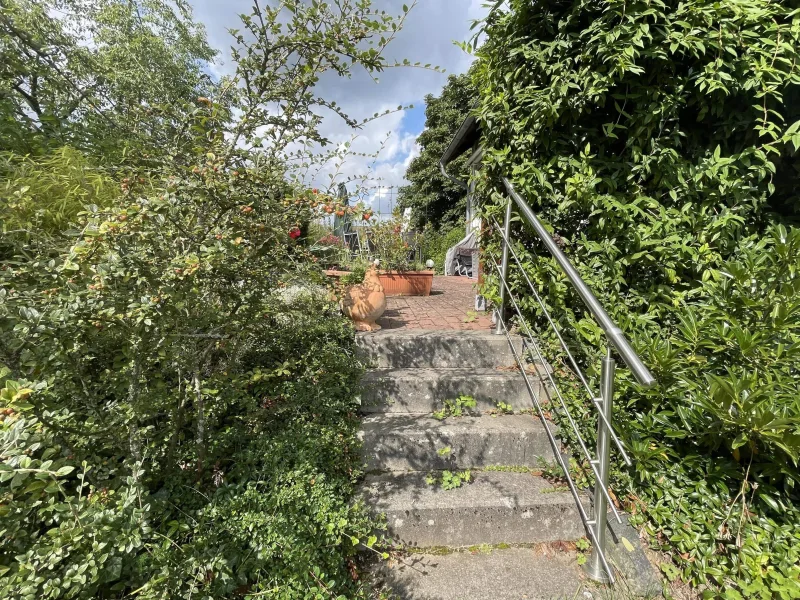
364,303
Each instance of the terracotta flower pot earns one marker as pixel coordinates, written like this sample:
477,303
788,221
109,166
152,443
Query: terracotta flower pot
364,303
395,283
407,283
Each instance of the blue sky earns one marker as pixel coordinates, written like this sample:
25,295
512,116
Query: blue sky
414,119
428,36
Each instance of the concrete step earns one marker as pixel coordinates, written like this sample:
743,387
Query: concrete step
403,442
413,348
424,390
495,508
539,573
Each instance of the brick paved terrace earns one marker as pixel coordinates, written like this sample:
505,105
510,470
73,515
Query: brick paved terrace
451,306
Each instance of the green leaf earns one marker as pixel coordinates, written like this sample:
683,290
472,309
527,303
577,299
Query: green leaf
740,441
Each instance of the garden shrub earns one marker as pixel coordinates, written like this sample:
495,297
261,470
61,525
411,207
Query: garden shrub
734,353
171,382
658,142
168,386
44,194
394,248
178,392
435,244
271,513
718,444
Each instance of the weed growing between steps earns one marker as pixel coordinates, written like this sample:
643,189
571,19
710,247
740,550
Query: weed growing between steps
512,469
556,547
555,489
463,405
553,473
449,480
502,408
456,407
583,546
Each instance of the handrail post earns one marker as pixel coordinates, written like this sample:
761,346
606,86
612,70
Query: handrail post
594,566
500,310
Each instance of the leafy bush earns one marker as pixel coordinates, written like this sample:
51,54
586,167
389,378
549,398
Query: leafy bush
233,398
395,249
358,270
734,354
272,513
178,391
718,445
44,194
659,141
435,245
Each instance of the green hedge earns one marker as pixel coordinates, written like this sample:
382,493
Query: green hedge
658,140
435,244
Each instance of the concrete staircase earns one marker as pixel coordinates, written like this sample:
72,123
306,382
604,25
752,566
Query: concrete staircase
404,447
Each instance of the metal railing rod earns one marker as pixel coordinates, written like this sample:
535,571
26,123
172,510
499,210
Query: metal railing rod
578,370
504,266
597,404
594,566
613,333
588,523
586,453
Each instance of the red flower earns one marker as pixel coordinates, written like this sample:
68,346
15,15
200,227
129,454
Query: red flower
294,233
331,240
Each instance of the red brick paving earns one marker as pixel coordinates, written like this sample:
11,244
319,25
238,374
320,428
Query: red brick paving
451,305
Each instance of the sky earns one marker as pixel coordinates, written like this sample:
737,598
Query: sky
428,35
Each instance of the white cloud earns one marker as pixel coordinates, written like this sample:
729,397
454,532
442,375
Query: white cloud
428,36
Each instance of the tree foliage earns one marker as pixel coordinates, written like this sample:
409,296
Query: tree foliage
436,201
659,141
101,75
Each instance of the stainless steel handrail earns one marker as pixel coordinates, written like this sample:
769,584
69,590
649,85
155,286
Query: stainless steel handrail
592,463
613,333
596,540
597,567
578,371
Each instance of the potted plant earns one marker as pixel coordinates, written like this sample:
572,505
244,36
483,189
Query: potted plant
400,273
393,252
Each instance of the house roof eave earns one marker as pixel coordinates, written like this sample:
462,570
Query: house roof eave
462,141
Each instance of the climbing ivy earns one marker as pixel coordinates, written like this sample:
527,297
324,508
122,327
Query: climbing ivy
658,141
